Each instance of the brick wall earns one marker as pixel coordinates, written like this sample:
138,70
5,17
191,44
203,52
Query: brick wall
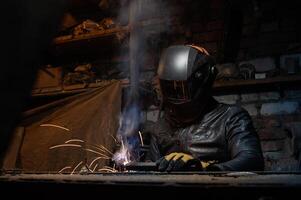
273,114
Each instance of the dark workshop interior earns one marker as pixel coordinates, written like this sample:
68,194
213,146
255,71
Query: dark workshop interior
85,96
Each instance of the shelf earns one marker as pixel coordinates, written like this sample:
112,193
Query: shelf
274,83
99,45
91,36
150,24
72,89
82,48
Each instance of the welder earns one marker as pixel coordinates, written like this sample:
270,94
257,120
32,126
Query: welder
196,130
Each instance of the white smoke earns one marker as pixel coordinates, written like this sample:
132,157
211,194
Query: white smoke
146,19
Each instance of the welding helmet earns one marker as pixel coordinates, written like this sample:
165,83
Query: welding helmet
186,74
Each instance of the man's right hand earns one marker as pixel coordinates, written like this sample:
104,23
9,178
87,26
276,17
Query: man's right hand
177,161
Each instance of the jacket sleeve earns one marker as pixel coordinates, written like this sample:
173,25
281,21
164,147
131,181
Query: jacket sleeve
243,145
162,141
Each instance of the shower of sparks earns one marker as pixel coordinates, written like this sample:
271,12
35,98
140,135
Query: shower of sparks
65,145
56,126
76,167
101,150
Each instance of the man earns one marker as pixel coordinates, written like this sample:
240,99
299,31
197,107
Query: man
197,130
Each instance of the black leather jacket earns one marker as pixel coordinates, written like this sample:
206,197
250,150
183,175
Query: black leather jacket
225,135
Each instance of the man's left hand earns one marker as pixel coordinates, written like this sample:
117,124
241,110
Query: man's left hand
176,162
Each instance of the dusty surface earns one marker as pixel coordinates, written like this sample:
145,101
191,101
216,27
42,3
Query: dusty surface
198,180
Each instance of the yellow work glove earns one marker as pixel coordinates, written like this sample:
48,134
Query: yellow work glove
177,162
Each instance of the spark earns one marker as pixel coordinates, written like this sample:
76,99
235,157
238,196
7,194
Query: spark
96,147
65,145
107,167
56,126
106,170
114,139
68,167
86,165
74,140
106,149
140,136
95,168
76,167
95,161
90,150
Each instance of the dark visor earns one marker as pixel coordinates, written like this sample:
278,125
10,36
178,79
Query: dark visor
175,90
